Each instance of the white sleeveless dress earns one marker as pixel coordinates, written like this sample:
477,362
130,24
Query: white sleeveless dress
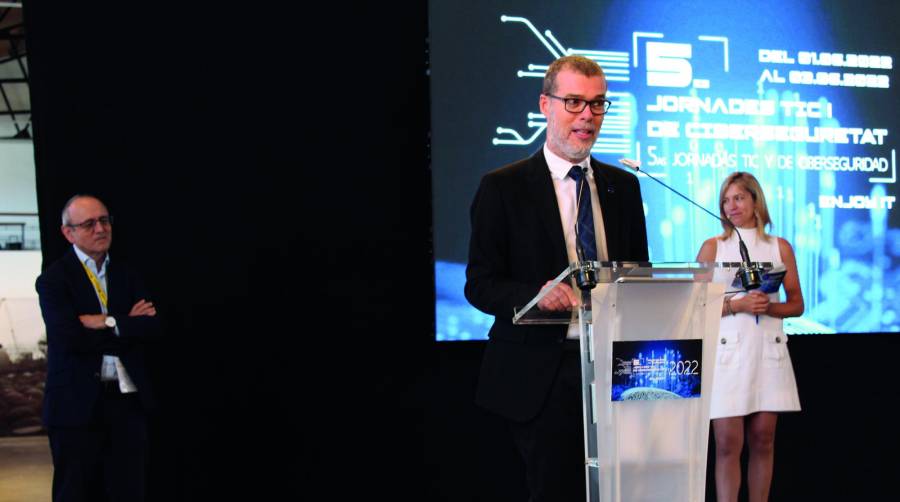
753,367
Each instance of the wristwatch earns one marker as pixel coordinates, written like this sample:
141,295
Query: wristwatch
110,321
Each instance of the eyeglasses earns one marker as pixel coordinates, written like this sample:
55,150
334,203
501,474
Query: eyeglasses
576,105
91,224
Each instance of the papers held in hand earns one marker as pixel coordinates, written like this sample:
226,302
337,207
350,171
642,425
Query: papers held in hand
772,279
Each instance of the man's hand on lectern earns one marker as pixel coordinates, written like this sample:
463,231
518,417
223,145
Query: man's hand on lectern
562,297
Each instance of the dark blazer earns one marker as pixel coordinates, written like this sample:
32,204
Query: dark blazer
75,353
517,245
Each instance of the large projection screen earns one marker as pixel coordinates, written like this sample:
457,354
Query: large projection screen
801,94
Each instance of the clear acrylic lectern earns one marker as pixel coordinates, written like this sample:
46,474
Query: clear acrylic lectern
648,347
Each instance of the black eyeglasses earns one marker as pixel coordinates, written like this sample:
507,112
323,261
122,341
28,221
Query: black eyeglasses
89,225
576,105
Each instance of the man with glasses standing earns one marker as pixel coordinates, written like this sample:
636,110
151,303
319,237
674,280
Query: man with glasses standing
524,218
98,318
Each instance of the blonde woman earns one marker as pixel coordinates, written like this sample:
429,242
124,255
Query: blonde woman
754,379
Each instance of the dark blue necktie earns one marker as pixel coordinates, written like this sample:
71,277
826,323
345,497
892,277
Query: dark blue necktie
585,223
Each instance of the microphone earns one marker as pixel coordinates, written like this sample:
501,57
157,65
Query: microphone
586,275
750,273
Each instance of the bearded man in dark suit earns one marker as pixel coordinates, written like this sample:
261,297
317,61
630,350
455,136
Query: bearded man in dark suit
523,235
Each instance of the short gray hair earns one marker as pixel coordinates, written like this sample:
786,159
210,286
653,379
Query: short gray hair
72,199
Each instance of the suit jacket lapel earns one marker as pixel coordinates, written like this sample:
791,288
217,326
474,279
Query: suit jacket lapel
112,285
117,287
540,184
85,296
617,222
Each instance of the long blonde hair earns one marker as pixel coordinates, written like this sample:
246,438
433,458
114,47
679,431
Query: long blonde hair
761,211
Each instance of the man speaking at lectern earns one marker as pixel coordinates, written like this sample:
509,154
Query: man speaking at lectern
524,219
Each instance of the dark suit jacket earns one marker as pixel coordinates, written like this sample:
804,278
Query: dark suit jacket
517,245
74,353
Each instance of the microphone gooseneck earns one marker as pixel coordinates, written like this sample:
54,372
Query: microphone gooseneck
750,274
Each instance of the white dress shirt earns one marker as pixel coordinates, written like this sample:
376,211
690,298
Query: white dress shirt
111,368
566,199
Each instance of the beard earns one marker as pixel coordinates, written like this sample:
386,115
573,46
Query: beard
568,149
566,146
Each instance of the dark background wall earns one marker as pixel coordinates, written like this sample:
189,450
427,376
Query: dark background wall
268,171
